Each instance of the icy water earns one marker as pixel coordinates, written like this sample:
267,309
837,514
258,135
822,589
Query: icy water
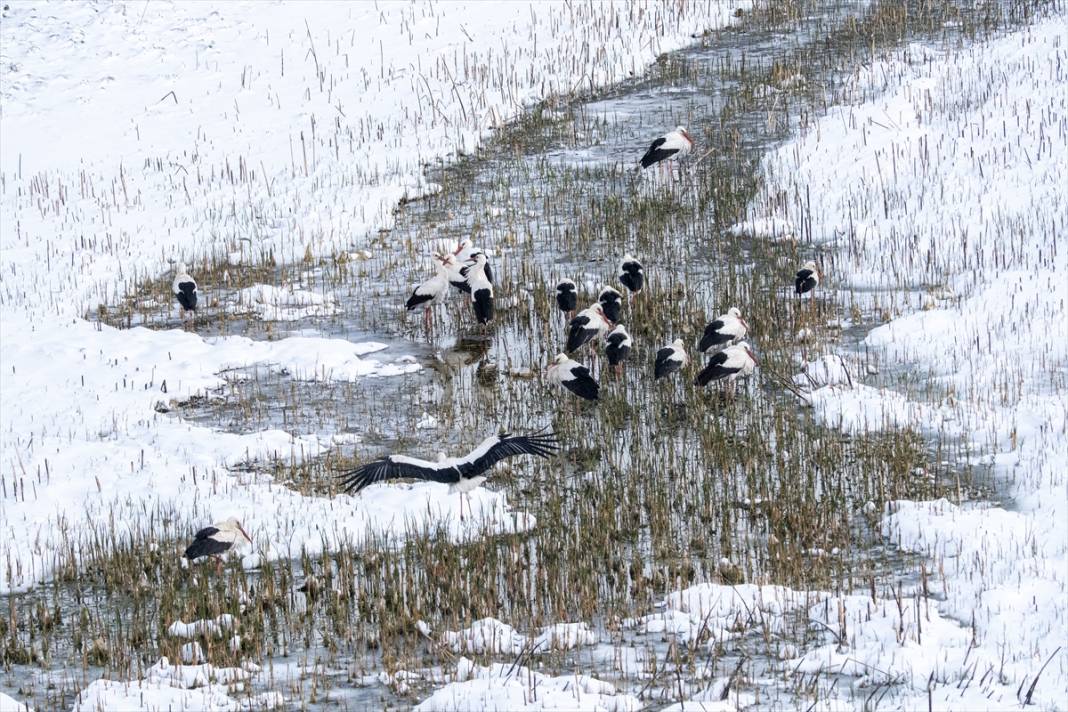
659,482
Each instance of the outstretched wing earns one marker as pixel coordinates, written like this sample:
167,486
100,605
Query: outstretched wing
396,467
494,449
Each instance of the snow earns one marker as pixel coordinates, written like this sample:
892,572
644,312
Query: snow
10,704
202,627
514,687
271,303
946,170
139,135
489,635
176,687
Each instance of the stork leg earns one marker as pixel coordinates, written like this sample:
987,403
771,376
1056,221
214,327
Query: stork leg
427,319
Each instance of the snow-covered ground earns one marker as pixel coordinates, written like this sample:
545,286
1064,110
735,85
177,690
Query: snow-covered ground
948,176
137,135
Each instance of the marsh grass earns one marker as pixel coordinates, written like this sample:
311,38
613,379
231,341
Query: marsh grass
659,486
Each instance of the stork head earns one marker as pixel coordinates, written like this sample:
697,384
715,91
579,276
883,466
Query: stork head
462,245
181,268
677,343
442,457
735,312
478,258
233,525
810,265
682,130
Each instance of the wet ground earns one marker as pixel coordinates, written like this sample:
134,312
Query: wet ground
660,481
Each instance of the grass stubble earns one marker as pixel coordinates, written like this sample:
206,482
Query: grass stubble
659,486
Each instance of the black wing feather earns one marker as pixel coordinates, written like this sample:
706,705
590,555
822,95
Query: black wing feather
664,364
205,533
206,547
713,370
510,446
579,332
712,337
388,469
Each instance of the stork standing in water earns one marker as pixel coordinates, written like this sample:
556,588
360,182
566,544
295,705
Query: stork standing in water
807,278
724,330
216,540
590,323
433,291
672,145
631,274
464,255
462,474
670,359
574,377
481,288
730,364
185,291
567,297
611,301
617,347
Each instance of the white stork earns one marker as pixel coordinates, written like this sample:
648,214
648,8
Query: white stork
461,474
465,254
567,297
481,287
185,291
611,301
732,363
617,347
433,291
631,274
218,539
590,323
670,359
807,278
724,330
574,377
672,145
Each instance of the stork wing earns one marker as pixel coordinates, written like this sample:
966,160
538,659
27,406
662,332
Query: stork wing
489,272
494,449
205,533
395,467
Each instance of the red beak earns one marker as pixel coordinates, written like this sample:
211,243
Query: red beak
753,356
244,533
744,324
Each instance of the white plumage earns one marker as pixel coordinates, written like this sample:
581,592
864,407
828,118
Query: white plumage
574,377
670,359
184,288
724,330
217,540
672,145
587,325
730,364
434,290
462,474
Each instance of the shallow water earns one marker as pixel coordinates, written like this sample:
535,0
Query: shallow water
557,195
